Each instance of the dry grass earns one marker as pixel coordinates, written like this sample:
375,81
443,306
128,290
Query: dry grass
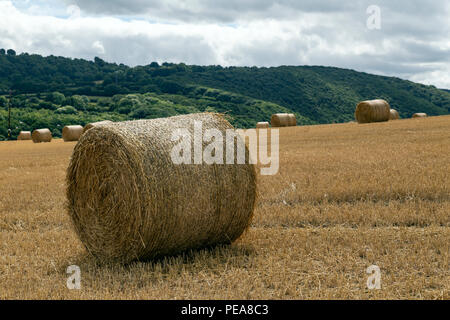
347,196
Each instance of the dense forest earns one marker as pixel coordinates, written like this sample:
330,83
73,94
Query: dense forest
55,91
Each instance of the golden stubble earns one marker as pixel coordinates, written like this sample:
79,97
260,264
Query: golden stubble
347,196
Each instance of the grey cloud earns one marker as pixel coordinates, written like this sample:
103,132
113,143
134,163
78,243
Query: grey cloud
413,41
225,11
143,50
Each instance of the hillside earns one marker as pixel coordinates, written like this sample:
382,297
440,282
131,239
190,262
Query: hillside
247,94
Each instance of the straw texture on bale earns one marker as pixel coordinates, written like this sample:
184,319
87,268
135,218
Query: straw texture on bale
129,201
372,111
95,124
280,120
41,135
262,125
24,135
72,133
420,115
394,115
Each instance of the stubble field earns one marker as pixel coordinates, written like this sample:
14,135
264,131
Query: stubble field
347,196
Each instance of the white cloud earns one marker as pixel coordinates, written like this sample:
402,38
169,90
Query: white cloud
262,33
98,47
73,11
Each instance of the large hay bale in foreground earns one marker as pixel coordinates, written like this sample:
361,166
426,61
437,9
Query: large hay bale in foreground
394,115
262,125
128,200
24,135
41,135
372,111
280,120
72,133
420,115
95,124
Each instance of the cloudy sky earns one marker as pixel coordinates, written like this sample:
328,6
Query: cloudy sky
410,40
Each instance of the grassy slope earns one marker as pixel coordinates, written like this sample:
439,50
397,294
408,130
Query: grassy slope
323,94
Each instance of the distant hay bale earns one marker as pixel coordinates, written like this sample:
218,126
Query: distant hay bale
24,135
281,120
72,133
292,120
372,111
41,135
262,125
129,201
420,115
94,124
394,115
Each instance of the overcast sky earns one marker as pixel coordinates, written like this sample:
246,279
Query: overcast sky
412,41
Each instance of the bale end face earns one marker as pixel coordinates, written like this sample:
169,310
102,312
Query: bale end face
72,133
292,120
394,115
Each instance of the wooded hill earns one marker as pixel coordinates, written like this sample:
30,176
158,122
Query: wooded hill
55,91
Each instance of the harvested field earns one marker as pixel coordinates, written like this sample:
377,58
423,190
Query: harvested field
344,200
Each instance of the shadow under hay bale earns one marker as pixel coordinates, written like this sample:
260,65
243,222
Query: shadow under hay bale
72,133
24,135
372,111
41,135
129,201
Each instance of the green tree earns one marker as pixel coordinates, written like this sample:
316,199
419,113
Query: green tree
79,102
57,98
3,101
66,110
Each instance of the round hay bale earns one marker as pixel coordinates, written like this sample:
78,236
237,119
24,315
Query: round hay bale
72,133
372,111
129,201
24,135
280,120
95,124
420,115
394,115
292,120
262,125
41,135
